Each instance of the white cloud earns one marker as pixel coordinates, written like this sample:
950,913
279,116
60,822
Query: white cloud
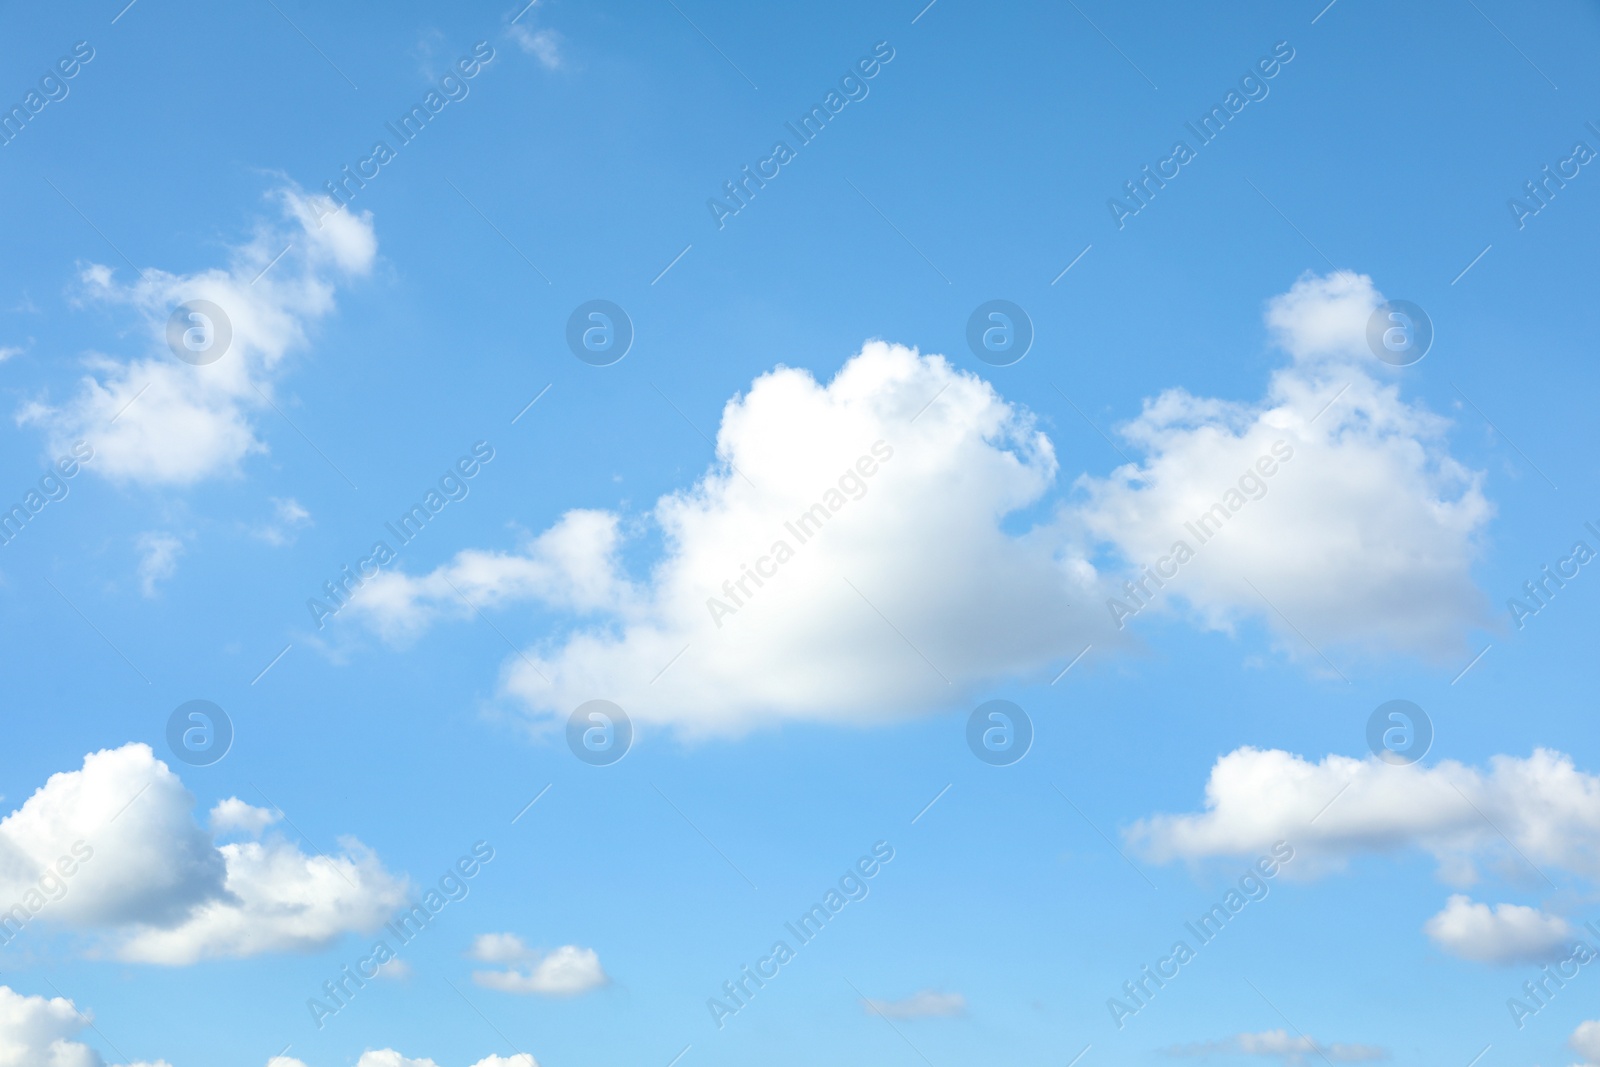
154,419
288,517
390,1058
1340,807
910,594
1504,934
151,882
543,45
1280,1044
395,969
567,971
944,571
925,1004
235,816
7,351
38,1031
1585,1041
277,899
1365,537
573,566
499,948
158,560
34,1031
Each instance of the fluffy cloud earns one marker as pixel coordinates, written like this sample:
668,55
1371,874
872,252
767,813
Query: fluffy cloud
1339,807
1364,538
113,848
388,1057
906,588
38,1032
154,419
1280,1044
959,560
235,816
922,1005
499,948
567,971
1585,1041
1506,933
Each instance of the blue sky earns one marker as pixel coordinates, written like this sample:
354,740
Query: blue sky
973,528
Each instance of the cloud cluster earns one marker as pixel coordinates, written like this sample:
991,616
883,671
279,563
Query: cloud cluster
932,563
1518,818
154,419
1340,807
388,1057
156,888
565,971
38,1032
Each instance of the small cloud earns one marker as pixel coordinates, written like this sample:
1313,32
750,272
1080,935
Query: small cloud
499,948
1281,1045
158,561
235,816
922,1005
431,43
1504,934
288,517
567,971
7,351
543,45
396,969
